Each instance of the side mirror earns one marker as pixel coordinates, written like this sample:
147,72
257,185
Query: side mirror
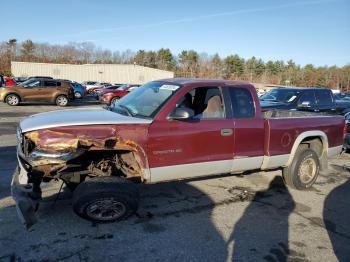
305,104
181,113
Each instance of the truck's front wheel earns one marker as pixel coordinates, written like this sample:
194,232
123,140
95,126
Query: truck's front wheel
304,169
105,199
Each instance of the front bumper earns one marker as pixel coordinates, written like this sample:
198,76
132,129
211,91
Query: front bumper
26,198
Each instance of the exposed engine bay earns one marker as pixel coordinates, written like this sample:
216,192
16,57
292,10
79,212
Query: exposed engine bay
75,155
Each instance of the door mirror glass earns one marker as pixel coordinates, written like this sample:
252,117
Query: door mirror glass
181,113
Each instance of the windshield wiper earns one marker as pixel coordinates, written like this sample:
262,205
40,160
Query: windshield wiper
128,110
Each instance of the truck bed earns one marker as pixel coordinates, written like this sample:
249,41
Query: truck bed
283,128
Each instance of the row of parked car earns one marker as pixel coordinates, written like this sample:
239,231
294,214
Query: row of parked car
306,99
58,91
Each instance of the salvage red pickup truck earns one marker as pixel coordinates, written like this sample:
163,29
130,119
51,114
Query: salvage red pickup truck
166,130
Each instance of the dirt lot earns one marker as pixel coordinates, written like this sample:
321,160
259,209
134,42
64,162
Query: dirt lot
241,218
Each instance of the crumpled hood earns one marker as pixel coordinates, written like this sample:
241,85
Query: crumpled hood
77,117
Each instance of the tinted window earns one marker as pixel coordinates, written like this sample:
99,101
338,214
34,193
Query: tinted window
307,96
324,97
280,95
50,83
242,103
34,83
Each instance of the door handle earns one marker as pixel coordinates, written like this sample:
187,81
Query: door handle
226,132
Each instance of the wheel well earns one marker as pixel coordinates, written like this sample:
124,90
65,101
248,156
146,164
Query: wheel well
54,100
124,163
316,144
20,99
61,95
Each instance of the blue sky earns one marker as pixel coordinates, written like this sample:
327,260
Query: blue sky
307,31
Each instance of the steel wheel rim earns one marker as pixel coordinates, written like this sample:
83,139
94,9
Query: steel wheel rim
62,101
12,100
77,95
105,209
307,170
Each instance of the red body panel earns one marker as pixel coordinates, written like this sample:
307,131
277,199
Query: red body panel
180,142
280,134
108,95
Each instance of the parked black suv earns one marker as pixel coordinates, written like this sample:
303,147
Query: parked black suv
305,99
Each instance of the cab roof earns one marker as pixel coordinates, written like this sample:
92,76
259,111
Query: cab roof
203,81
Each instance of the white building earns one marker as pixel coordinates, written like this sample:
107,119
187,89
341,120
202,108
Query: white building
112,73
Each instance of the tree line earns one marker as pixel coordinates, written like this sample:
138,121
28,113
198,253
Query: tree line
187,63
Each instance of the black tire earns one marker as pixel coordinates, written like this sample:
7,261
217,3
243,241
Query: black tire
100,192
61,100
12,100
303,171
115,99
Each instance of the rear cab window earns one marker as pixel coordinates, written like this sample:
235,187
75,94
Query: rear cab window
242,102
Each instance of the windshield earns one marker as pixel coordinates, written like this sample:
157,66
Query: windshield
280,95
146,100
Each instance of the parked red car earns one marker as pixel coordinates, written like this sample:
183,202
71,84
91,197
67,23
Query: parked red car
100,91
112,96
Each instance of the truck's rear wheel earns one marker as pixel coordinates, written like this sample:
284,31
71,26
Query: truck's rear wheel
105,199
304,169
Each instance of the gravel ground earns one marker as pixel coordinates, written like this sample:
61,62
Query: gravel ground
223,218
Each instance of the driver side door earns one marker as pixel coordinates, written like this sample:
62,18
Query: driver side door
199,146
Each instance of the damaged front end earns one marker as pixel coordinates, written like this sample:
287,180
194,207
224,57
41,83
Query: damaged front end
72,154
